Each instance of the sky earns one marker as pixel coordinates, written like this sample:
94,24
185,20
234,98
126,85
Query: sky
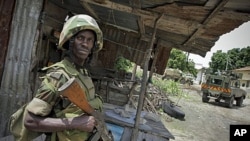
238,38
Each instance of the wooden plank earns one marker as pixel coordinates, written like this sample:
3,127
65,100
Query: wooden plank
143,136
126,134
90,10
144,81
148,17
149,137
211,15
141,25
150,127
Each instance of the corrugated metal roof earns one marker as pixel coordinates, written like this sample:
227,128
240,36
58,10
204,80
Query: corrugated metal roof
6,10
15,86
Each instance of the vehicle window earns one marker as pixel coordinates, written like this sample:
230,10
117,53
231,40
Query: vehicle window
216,81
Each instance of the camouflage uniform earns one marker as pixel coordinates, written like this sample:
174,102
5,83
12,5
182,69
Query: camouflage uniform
47,101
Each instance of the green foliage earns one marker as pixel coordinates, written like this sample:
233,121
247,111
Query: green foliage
218,61
173,88
168,86
122,64
191,68
233,59
179,60
139,73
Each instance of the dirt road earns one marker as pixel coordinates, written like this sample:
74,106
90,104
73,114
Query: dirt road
205,121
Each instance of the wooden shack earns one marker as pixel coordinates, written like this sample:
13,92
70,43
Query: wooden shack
142,31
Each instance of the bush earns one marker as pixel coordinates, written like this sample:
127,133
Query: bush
122,64
168,86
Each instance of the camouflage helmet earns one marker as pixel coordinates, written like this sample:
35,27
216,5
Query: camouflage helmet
78,23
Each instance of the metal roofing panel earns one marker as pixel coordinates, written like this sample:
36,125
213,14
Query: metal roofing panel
6,11
15,89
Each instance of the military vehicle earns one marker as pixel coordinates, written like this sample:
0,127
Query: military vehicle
187,79
223,87
177,76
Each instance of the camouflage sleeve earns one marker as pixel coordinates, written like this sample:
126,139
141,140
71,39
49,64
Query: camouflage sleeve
47,94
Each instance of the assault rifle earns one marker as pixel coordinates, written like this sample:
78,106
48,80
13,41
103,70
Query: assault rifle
72,90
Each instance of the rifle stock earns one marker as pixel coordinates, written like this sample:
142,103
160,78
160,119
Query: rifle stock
72,90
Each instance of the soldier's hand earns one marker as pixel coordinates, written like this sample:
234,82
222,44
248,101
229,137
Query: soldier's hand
84,123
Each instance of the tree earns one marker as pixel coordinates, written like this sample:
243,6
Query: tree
219,61
245,56
233,59
179,60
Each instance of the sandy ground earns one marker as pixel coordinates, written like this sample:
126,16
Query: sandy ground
205,121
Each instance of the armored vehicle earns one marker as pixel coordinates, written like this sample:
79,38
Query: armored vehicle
223,87
178,76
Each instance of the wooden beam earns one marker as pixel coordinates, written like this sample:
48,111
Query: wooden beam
90,10
155,57
119,7
121,28
148,17
169,44
111,5
144,82
211,15
141,26
215,11
135,3
181,47
160,42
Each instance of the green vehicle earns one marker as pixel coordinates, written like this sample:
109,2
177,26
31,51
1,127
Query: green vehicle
178,76
224,87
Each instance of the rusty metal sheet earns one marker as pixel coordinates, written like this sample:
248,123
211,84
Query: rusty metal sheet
6,11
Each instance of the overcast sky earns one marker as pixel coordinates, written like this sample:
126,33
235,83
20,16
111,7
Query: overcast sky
238,38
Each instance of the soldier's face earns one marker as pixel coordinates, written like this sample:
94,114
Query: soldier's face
84,42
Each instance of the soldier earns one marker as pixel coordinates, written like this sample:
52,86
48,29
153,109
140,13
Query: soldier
49,112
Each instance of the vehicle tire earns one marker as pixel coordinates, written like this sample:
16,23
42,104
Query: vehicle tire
172,110
205,98
230,102
239,101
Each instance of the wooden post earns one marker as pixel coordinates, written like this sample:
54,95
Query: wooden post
144,83
152,70
134,72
